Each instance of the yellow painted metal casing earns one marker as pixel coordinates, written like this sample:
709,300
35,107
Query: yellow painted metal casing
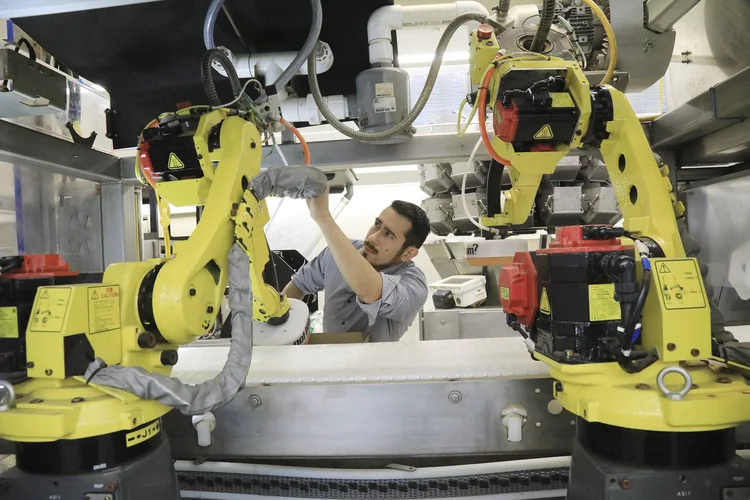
527,168
643,196
49,410
481,54
603,392
64,320
676,315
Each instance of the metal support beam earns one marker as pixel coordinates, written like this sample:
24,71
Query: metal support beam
19,145
28,8
663,14
717,108
121,218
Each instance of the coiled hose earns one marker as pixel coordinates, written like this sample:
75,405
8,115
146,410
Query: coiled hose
207,78
312,37
545,24
450,30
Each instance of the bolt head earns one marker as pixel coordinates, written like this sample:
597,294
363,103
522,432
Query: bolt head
625,484
671,347
724,380
538,424
255,401
642,387
455,397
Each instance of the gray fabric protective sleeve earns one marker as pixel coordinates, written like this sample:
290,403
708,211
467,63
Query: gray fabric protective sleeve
294,182
212,394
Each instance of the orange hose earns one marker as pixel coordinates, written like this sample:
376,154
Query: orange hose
483,119
301,139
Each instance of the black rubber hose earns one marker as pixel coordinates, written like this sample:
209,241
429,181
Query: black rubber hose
627,342
545,24
208,80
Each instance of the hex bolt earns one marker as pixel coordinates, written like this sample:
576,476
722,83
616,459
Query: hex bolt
455,397
642,387
255,401
538,424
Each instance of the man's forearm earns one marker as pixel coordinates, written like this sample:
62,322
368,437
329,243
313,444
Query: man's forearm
293,292
359,274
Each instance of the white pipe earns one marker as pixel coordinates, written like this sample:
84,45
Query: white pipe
303,109
204,426
270,65
374,474
395,17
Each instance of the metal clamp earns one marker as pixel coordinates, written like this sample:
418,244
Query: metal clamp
7,395
674,395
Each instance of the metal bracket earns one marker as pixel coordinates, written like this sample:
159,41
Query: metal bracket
109,115
86,142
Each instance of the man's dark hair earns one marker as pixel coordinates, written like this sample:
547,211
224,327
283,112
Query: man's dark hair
420,223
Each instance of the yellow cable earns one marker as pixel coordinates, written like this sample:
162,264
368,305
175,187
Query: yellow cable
462,131
599,13
164,219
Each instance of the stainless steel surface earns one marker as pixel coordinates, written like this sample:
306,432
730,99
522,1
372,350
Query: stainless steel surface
476,174
718,215
449,258
565,171
29,88
599,204
594,169
643,54
708,112
440,212
121,227
476,323
26,8
389,419
58,214
79,224
435,178
730,144
476,203
663,14
559,205
26,147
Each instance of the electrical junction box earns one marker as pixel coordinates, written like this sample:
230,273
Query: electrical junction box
467,290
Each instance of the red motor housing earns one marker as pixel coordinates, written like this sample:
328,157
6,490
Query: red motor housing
518,288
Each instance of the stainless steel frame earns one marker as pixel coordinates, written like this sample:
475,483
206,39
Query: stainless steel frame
387,420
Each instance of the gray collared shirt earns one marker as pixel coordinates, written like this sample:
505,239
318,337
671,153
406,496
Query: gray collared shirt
387,319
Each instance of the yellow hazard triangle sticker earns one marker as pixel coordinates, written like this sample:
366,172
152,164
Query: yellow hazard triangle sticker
175,163
544,133
544,302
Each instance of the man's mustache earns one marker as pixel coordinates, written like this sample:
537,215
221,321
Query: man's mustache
370,246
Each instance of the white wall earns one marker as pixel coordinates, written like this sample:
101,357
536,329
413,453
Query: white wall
294,229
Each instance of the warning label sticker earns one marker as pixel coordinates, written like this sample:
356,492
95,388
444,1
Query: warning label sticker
49,310
104,308
561,100
544,302
141,435
8,323
544,133
504,293
384,104
679,284
602,303
384,89
174,162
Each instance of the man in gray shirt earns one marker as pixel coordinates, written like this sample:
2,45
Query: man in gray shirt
370,286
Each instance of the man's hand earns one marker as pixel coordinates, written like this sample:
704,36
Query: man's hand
319,209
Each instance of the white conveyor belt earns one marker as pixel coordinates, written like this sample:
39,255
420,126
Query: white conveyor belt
374,362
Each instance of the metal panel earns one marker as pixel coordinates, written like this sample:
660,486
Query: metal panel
708,112
391,420
451,324
718,217
663,14
730,144
121,227
22,146
645,55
